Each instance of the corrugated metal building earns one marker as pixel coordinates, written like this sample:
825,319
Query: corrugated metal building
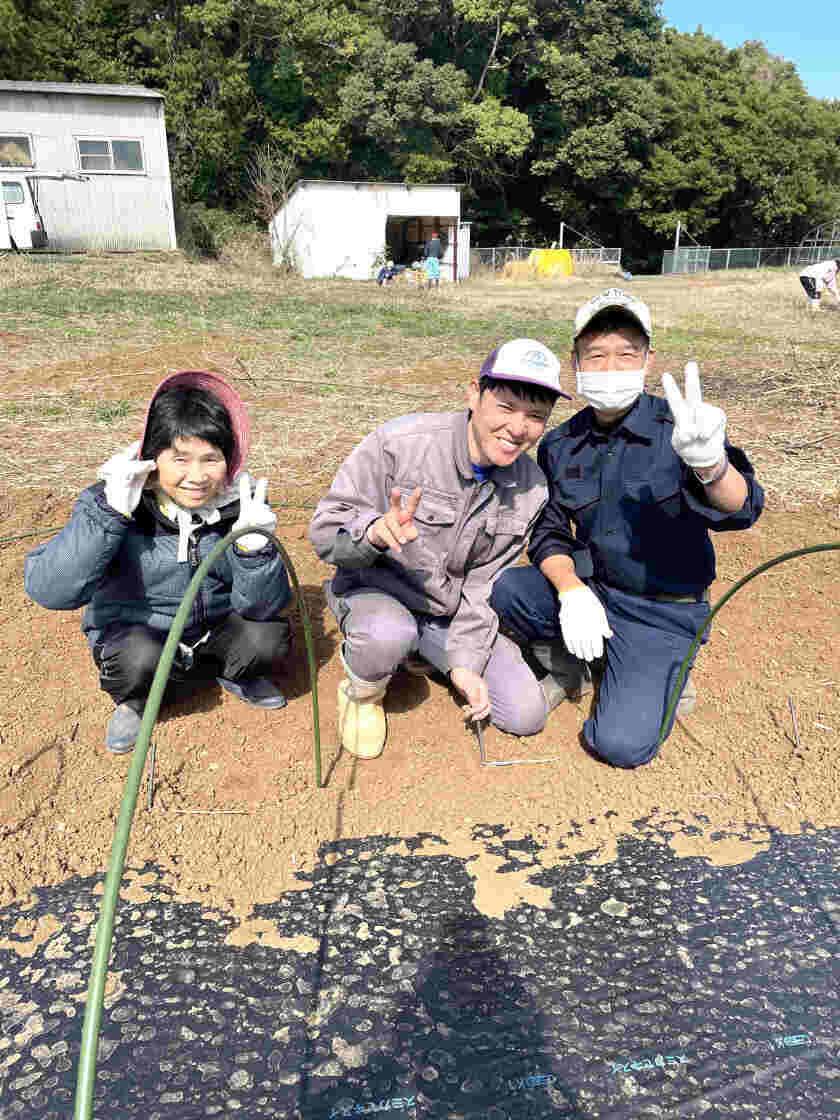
113,135
347,228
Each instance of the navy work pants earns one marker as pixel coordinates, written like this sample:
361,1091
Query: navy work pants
643,657
238,648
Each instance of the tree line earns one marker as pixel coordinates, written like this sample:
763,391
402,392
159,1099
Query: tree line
587,111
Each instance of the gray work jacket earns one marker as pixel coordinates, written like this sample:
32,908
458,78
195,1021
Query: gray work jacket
469,531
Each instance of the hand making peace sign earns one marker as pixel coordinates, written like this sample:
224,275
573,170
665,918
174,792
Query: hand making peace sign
254,513
396,527
699,428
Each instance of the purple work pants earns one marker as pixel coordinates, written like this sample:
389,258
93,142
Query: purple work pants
380,633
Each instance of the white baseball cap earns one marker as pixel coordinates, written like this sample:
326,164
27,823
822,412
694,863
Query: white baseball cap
614,297
525,359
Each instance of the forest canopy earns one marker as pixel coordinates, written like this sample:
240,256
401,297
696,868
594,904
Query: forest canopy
592,113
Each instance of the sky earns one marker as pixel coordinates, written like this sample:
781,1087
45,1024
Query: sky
805,33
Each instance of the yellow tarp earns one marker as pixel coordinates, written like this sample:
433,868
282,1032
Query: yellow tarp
551,262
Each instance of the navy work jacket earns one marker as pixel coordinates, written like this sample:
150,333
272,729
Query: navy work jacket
641,520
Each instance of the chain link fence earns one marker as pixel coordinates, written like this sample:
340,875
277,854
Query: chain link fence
702,258
496,257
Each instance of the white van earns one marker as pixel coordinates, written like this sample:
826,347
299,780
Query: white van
21,224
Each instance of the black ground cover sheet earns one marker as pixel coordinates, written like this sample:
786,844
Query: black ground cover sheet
663,987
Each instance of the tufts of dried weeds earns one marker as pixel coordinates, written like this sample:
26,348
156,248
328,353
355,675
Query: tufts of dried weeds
323,362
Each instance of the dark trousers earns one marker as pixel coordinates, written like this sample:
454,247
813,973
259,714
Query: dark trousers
810,286
643,657
127,655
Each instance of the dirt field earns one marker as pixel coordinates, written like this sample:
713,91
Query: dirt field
83,343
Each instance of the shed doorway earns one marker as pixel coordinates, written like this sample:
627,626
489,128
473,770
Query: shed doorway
406,238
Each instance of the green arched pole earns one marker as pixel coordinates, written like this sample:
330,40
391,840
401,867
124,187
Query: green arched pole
105,927
722,601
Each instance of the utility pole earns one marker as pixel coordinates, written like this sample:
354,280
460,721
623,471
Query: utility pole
677,237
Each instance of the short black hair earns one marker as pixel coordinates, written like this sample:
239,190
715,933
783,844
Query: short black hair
185,413
609,320
534,394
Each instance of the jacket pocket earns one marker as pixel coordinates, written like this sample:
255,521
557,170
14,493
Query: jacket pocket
505,525
666,493
578,498
434,513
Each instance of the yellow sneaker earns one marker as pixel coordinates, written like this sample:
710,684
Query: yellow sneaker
362,726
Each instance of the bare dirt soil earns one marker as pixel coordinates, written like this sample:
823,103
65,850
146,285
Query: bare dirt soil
734,763
236,814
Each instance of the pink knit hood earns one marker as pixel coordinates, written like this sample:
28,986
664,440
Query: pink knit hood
212,383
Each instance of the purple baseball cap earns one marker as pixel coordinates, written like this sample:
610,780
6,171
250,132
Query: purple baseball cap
526,360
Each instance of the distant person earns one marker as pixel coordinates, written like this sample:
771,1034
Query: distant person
622,557
434,247
136,538
817,278
420,519
432,256
386,274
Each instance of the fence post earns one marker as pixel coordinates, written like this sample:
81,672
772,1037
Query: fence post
728,251
788,257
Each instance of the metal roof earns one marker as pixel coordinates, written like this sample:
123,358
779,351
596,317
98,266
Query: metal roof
79,87
376,183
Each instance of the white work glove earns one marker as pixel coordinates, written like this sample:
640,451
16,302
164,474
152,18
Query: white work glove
254,514
699,428
125,476
584,623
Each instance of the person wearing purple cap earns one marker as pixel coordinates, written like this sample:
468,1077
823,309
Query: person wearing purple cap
136,538
621,555
419,521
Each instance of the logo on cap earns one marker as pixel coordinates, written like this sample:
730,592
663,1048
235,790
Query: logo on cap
535,358
613,297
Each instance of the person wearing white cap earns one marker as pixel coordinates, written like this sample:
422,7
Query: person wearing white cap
621,556
419,521
819,278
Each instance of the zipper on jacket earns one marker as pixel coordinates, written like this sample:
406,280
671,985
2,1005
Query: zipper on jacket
194,558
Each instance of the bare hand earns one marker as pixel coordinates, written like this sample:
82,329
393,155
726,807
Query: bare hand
474,689
396,527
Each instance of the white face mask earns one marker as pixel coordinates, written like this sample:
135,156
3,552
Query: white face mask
611,390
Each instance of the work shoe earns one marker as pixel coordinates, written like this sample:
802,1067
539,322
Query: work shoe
688,700
124,726
361,722
568,677
259,692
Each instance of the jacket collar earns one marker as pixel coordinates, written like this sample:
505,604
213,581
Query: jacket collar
227,505
462,445
640,420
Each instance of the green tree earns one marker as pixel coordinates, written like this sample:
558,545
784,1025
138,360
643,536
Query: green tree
743,154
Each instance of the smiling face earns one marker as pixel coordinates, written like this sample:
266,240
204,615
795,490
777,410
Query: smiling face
503,425
191,472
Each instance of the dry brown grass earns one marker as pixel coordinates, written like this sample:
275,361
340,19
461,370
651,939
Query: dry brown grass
353,355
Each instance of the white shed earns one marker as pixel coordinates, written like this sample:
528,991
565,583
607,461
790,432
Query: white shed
347,228
112,135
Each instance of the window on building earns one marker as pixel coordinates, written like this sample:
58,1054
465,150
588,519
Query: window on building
15,151
12,194
110,155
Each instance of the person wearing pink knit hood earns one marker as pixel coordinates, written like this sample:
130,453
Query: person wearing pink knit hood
135,539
